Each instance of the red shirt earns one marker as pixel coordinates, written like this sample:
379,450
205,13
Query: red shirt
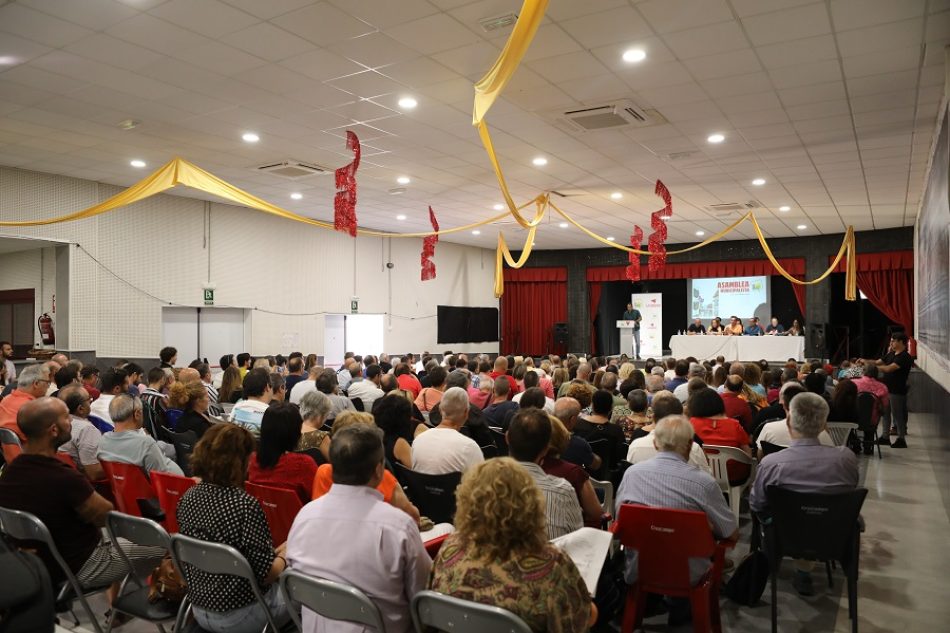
293,470
10,407
512,384
737,408
409,383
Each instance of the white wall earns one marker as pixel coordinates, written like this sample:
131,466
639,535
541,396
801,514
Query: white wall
162,250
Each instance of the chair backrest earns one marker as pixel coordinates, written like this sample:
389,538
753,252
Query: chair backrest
129,484
281,506
434,495
138,530
813,526
332,600
218,558
169,488
489,451
867,405
358,404
184,444
23,526
605,494
99,423
839,431
10,444
719,458
768,447
498,436
67,459
172,416
445,613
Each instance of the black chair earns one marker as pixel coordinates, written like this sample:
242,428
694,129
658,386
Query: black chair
768,447
816,527
184,444
866,404
601,448
358,403
500,440
489,451
434,495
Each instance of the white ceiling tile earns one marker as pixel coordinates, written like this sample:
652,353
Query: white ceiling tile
665,74
738,85
589,90
39,79
471,60
749,103
220,58
805,74
109,50
876,84
746,8
368,83
322,65
155,34
788,24
418,72
207,17
39,27
622,24
569,66
385,15
803,51
813,93
268,42
432,34
667,16
707,40
882,62
560,11
374,50
818,110
738,62
672,95
861,13
263,10
322,24
883,37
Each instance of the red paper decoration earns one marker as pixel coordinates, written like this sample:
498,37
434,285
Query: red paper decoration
633,270
658,237
428,249
344,202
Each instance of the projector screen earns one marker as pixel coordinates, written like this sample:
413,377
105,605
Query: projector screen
723,297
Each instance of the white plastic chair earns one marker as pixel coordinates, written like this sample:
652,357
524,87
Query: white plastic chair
839,431
718,457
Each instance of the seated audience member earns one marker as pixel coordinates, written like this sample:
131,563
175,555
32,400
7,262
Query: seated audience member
231,390
429,396
307,384
444,449
596,426
680,369
332,536
529,436
639,416
844,402
83,443
279,388
553,465
257,391
31,384
389,487
68,506
327,383
393,414
476,426
128,443
816,382
753,329
218,510
712,425
805,466
192,398
185,375
89,376
499,554
500,371
696,327
777,378
582,379
295,373
696,371
64,377
532,380
609,383
502,407
870,382
776,432
406,379
578,451
155,396
775,411
367,389
668,480
275,463
314,409
643,448
735,407
774,328
214,405
752,376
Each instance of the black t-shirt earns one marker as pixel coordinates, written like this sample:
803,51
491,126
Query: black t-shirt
591,431
51,490
697,329
896,381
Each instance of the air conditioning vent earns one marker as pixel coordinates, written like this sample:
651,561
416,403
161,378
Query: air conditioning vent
293,169
733,207
615,114
498,22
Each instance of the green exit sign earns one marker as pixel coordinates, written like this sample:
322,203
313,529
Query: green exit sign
209,297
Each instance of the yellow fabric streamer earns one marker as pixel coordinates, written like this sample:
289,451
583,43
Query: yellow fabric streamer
503,253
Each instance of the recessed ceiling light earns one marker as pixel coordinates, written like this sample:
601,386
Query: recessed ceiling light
408,103
128,124
715,138
400,217
700,233
476,232
616,195
634,55
250,137
296,195
8,60
802,227
499,207
611,238
758,182
137,163
563,225
665,216
403,180
785,208
540,161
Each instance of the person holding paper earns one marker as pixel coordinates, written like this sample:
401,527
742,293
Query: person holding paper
499,554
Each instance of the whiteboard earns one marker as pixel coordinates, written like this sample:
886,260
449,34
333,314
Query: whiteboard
365,334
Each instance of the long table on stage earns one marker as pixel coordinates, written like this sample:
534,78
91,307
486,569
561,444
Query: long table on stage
738,347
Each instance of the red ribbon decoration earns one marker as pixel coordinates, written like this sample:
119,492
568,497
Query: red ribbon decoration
428,249
633,270
658,237
344,202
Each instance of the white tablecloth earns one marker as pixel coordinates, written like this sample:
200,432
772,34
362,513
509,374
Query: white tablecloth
738,347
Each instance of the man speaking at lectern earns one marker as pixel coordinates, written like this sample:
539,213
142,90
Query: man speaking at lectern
634,315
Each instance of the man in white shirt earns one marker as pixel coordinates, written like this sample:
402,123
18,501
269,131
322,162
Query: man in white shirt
114,382
351,535
643,448
777,432
83,444
303,386
249,412
367,389
444,449
695,371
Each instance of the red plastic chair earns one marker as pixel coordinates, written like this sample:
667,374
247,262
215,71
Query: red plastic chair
281,506
665,541
129,485
170,489
433,546
10,444
67,459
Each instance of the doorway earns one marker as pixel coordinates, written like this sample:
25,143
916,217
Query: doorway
205,332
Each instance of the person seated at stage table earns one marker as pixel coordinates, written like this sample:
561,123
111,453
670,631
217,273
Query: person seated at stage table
774,328
735,327
696,327
753,329
715,326
795,329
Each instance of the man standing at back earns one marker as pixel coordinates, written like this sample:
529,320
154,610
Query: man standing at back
896,366
351,535
33,383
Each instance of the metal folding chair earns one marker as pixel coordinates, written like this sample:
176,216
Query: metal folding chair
332,600
445,613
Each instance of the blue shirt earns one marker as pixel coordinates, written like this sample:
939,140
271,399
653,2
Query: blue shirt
753,330
805,466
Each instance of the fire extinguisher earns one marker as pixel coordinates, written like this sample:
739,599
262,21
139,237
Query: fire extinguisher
45,324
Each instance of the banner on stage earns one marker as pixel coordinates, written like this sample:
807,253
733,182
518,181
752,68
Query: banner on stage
650,305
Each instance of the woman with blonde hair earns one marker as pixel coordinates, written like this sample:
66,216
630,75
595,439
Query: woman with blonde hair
192,399
625,370
561,376
499,554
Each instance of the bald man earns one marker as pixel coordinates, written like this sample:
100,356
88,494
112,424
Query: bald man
189,374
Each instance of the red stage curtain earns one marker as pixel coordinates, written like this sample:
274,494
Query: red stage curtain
534,300
594,288
887,280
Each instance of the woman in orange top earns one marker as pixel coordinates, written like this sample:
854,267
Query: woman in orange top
390,489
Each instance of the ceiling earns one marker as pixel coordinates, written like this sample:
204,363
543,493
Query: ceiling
832,102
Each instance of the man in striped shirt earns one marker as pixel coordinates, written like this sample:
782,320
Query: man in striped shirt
529,435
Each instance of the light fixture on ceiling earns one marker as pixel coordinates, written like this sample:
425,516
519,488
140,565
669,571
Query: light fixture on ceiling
616,195
758,182
634,55
611,238
476,232
8,60
563,225
499,207
716,138
128,124
539,161
700,233
785,208
802,227
137,163
665,216
400,217
296,196
407,103
403,180
250,137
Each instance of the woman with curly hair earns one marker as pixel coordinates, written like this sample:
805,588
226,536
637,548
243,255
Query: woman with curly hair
499,554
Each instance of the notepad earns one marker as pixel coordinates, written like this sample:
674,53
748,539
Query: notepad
588,548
